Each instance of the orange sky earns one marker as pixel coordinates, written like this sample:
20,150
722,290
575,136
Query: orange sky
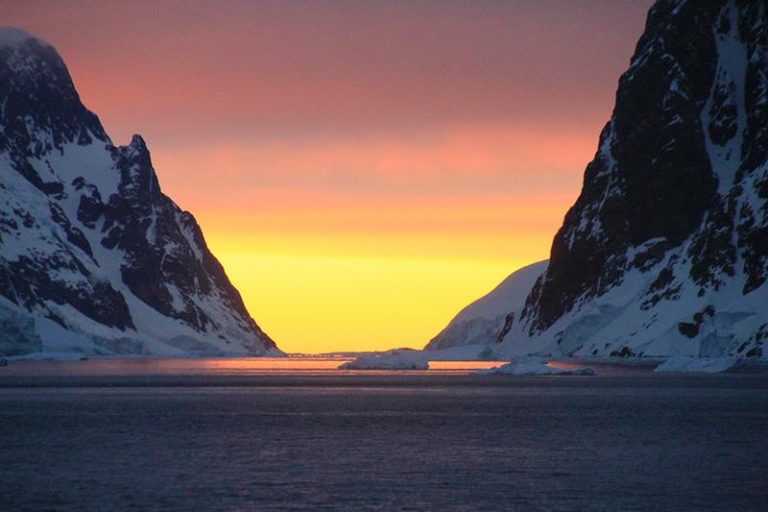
362,169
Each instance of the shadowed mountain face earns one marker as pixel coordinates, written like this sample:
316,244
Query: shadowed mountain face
94,258
665,251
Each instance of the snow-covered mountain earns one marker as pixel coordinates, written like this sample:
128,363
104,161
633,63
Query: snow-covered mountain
483,321
94,258
665,252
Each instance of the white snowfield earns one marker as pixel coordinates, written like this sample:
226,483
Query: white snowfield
397,359
534,366
685,364
621,319
602,327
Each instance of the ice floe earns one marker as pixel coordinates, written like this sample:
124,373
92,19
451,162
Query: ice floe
533,366
397,359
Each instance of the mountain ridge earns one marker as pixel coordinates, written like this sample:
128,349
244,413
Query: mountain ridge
665,251
483,321
94,258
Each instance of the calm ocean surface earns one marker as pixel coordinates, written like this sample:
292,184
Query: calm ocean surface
242,435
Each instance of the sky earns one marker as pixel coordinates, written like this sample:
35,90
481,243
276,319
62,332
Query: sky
363,170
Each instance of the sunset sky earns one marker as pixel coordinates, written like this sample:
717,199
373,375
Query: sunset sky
363,170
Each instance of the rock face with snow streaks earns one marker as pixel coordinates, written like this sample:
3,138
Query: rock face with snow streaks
665,251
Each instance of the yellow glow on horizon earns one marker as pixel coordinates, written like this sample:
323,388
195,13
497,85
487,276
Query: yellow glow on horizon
342,292
344,243
323,304
345,246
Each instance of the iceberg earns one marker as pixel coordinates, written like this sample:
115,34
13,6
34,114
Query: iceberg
398,359
534,366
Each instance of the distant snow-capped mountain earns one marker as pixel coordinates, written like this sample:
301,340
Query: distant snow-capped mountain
665,252
483,321
94,258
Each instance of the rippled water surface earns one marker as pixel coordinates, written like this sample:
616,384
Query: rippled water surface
228,439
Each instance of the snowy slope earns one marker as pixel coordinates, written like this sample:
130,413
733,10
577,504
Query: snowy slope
483,321
665,252
94,258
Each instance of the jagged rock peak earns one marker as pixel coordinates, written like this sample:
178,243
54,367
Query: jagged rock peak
41,109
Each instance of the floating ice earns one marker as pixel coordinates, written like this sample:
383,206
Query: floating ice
534,367
398,359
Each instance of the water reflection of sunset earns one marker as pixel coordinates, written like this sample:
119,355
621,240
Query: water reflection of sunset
212,367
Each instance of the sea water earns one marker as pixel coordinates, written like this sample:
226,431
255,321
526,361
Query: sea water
194,438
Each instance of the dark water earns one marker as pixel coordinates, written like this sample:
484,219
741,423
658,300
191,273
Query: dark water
388,442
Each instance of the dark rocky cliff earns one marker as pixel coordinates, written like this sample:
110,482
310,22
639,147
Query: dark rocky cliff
665,251
677,190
